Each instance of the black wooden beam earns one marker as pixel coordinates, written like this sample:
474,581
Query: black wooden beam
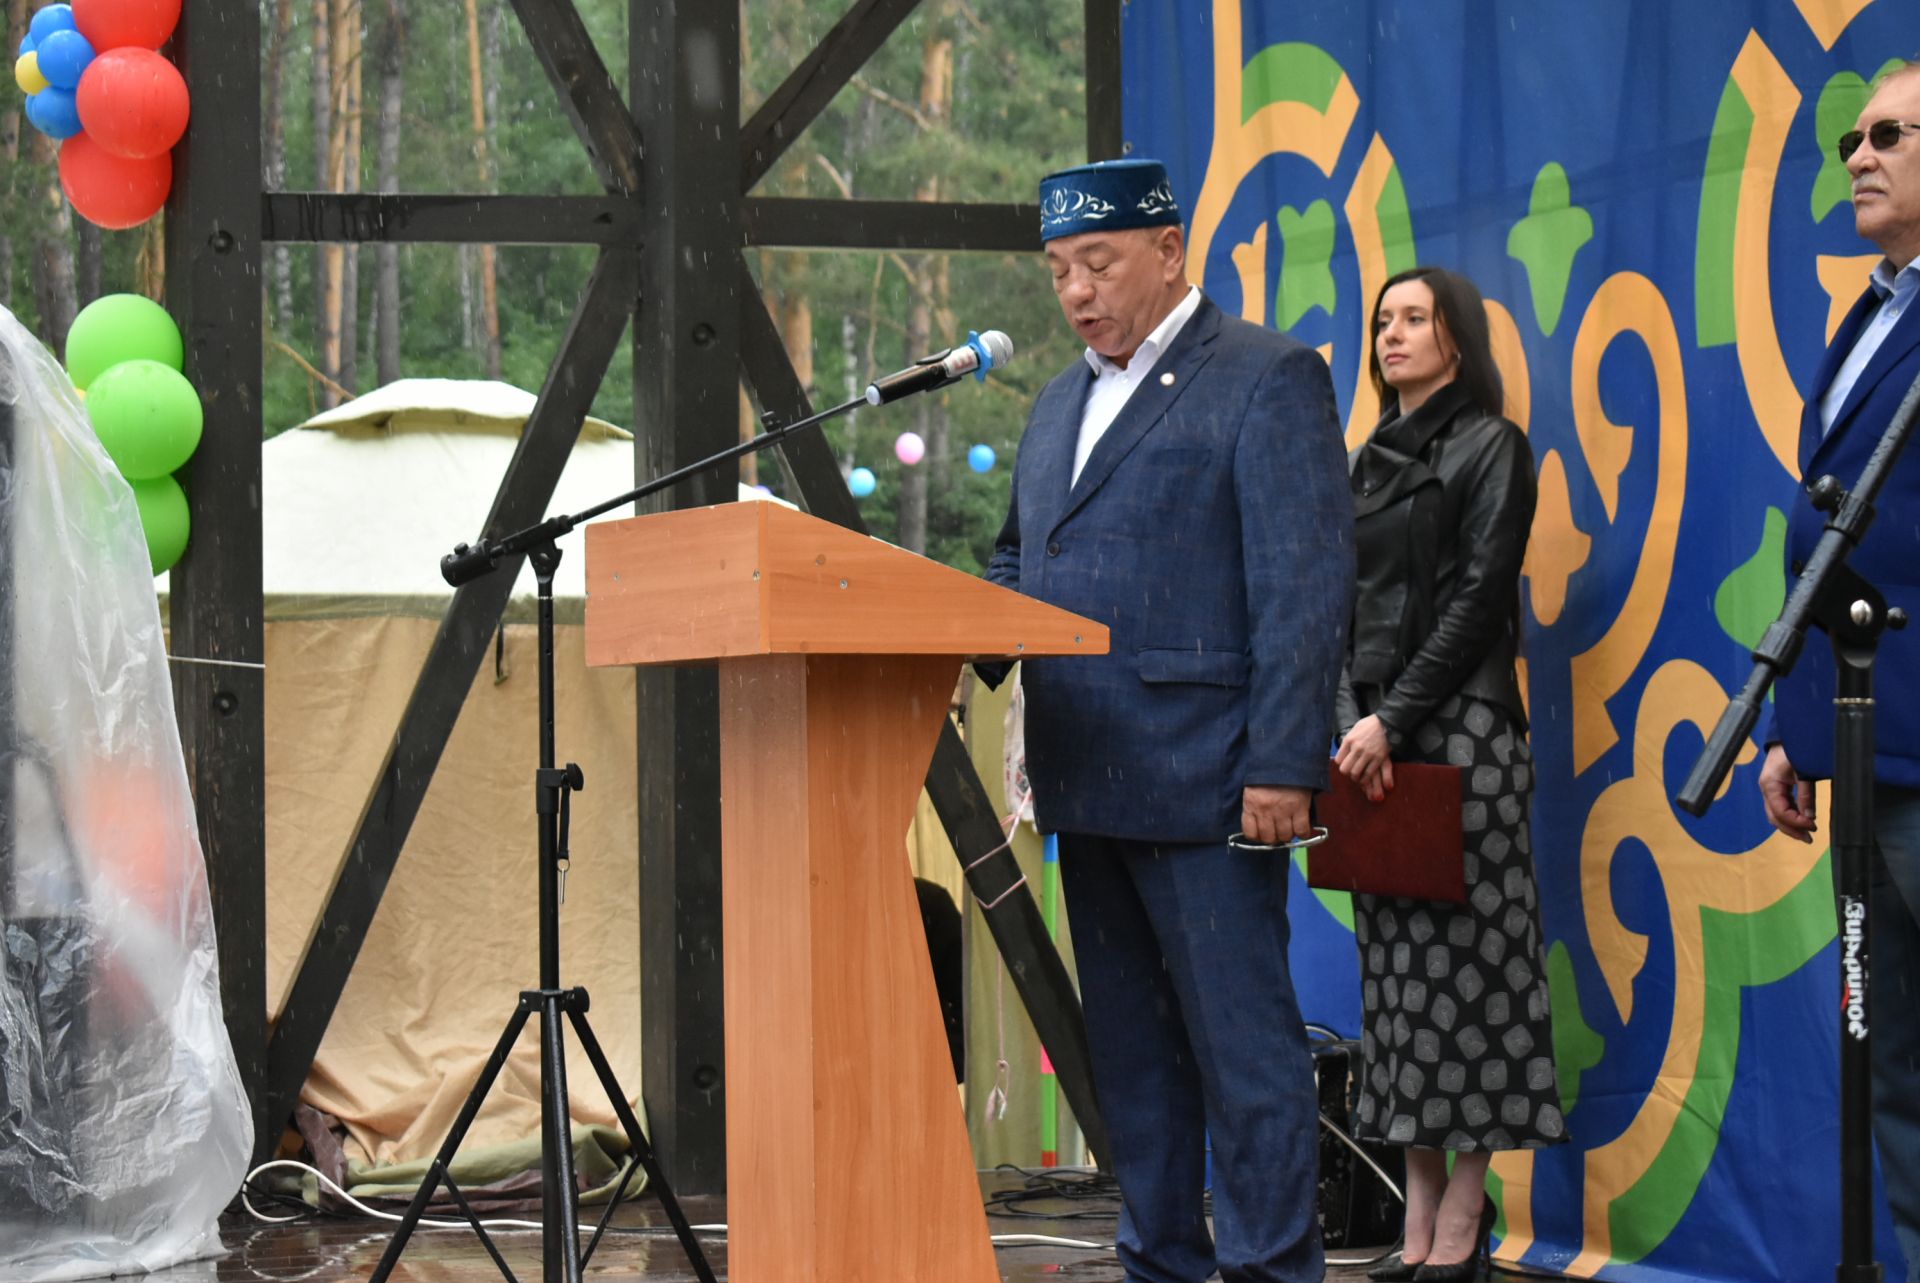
972,822
787,112
966,811
445,678
213,290
457,218
587,90
892,224
448,219
1104,141
810,468
684,67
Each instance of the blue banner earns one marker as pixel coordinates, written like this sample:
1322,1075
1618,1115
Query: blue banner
1648,194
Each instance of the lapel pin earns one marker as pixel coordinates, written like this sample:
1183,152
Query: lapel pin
1166,380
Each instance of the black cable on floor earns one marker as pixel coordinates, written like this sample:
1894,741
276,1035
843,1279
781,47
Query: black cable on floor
1055,1186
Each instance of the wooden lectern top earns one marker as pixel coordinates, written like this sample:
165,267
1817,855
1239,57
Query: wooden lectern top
758,578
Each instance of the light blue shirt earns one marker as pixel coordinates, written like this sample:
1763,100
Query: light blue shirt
1897,294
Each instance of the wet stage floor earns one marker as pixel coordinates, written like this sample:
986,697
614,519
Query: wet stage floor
321,1251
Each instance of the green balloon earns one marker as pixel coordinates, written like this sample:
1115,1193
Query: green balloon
121,327
147,416
163,515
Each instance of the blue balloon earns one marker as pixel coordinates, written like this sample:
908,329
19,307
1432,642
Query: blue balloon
64,56
27,46
54,113
982,458
862,482
55,17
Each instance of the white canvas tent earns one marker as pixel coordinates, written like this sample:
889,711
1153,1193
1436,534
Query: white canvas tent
358,506
363,500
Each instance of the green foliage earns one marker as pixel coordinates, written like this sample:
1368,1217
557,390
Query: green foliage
1017,110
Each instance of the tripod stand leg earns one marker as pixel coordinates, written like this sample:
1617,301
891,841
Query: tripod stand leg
628,1170
561,1206
444,1159
656,1179
486,1239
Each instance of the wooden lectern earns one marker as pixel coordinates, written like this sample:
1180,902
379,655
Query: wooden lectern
847,1152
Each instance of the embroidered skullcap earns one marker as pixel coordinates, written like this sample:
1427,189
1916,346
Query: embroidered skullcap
1107,196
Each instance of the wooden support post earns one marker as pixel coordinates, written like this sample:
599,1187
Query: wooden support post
213,275
1104,129
684,67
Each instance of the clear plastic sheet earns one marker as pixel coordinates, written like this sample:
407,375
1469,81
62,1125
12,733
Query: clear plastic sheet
123,1126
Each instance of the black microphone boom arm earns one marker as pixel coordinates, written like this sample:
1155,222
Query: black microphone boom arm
468,562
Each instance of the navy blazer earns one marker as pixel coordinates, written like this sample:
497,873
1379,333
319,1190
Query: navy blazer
1889,558
1212,532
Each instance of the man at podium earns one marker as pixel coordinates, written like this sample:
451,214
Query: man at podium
1184,484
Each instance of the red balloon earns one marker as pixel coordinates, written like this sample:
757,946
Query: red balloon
133,102
111,191
115,24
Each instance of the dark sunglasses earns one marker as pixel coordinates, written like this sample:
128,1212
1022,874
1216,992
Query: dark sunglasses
1884,135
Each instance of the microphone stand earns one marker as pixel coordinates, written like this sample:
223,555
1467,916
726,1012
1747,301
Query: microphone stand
1853,613
553,788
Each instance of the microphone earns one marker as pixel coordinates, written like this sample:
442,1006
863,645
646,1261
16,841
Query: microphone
980,353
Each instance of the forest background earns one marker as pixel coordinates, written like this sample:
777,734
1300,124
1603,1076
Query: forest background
969,100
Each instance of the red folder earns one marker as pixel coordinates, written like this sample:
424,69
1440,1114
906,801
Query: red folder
1409,844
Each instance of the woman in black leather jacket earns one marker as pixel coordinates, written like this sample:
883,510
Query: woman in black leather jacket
1457,1040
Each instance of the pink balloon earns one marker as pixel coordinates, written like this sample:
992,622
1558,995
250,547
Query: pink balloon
909,448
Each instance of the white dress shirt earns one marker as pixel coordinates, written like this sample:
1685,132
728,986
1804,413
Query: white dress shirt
1112,386
1896,296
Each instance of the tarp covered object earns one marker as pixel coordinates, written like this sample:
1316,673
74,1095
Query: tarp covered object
1648,194
123,1126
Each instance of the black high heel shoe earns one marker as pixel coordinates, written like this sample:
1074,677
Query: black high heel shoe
1478,1264
1393,1270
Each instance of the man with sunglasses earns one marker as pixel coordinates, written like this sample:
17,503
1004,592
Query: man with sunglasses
1873,359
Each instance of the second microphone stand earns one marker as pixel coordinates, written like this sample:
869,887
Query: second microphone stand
1854,614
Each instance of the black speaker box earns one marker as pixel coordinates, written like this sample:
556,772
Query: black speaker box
1356,1207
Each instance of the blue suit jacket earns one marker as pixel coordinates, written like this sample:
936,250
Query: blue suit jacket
1889,558
1212,532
